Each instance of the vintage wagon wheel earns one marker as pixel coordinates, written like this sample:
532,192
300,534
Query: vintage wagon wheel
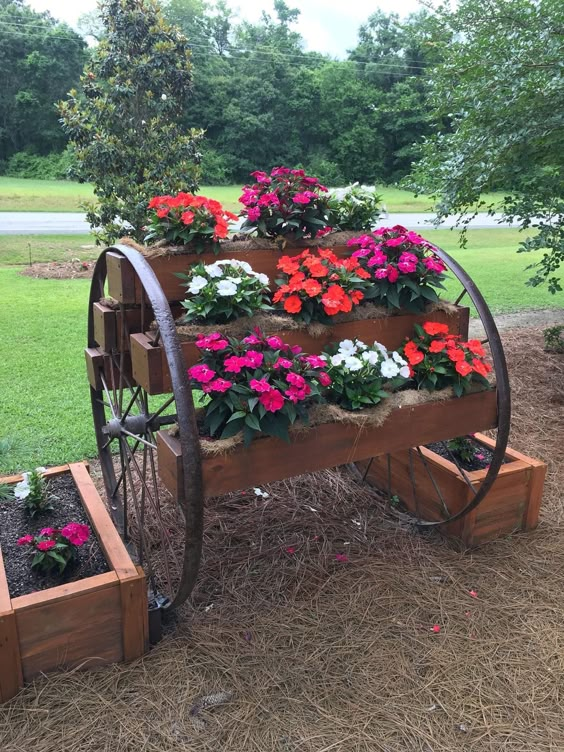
168,544
417,459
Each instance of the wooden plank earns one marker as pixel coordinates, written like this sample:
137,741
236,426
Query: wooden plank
49,473
134,615
98,361
124,286
84,630
64,592
150,366
268,459
536,487
104,319
11,675
110,542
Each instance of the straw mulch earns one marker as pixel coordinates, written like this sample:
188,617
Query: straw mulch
311,628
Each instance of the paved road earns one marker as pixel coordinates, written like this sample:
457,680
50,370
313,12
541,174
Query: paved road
52,223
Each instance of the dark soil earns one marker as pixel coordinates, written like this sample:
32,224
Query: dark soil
60,270
15,522
481,460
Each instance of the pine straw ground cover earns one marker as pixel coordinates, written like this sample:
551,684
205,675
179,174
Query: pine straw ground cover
289,649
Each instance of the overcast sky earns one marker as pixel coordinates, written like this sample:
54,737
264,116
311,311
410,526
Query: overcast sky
326,25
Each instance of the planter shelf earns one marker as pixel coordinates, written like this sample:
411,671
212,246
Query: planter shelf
90,622
512,504
267,459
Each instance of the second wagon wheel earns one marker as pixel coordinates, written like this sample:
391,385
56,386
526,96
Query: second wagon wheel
418,465
166,532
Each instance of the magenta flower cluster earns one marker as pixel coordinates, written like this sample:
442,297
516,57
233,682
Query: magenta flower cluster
404,267
257,384
55,547
286,201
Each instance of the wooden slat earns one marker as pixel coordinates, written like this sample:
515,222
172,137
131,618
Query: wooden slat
268,459
49,473
98,361
124,286
104,319
64,592
110,542
84,630
150,366
134,615
536,487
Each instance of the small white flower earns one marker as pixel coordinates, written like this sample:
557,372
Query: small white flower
225,288
263,279
235,280
382,349
347,347
197,283
399,360
337,359
389,369
163,97
353,364
404,372
371,357
214,270
22,490
260,492
360,344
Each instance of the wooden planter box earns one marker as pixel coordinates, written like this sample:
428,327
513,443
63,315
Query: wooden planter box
150,368
267,459
512,504
94,621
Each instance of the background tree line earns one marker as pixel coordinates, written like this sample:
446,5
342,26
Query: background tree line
259,97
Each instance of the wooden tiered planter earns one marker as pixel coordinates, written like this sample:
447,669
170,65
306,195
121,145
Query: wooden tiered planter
94,621
510,506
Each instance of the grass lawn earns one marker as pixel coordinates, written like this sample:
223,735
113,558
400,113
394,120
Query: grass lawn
44,397
18,249
21,194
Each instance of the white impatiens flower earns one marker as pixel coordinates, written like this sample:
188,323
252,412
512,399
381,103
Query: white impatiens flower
337,359
389,369
263,279
360,344
197,283
399,360
353,364
225,288
235,280
382,349
214,270
404,372
347,347
21,490
371,357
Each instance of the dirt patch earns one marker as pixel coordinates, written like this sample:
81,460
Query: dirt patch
314,627
60,270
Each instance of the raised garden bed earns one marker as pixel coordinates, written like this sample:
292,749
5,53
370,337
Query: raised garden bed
89,622
511,505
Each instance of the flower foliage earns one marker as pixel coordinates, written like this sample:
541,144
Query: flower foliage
224,290
186,218
438,359
33,493
403,265
316,286
286,202
355,208
257,385
363,375
55,548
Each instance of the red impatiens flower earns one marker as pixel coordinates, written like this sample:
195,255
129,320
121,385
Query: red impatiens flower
433,328
292,304
463,368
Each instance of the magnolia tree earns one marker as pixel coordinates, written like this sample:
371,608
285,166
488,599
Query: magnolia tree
499,104
125,122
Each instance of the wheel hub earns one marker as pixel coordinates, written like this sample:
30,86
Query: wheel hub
136,424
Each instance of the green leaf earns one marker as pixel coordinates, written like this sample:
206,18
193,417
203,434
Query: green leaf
252,421
232,428
237,415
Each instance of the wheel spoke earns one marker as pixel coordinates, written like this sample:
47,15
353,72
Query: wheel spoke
433,481
131,403
459,467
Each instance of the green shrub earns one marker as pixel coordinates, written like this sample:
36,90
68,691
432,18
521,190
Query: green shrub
215,168
554,339
25,164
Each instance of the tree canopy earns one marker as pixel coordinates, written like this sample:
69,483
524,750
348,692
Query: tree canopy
498,100
40,59
125,123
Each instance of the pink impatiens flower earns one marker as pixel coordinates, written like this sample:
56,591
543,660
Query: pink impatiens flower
301,198
76,533
253,358
219,385
283,363
296,380
261,386
273,401
201,373
46,545
25,539
253,213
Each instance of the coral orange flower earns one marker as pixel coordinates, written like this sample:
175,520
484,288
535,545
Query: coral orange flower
433,327
311,287
288,265
437,345
357,296
463,368
475,347
293,304
480,367
326,253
